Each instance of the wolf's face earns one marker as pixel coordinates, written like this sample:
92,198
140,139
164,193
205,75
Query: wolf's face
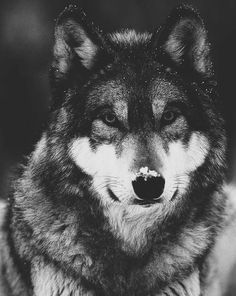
136,114
139,119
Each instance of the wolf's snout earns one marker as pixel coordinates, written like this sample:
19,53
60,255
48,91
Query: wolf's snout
148,185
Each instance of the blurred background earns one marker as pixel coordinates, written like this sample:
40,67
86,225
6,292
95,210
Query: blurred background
26,40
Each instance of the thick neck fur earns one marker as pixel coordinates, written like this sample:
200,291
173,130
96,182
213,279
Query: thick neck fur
70,233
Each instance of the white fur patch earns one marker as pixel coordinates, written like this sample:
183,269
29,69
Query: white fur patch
91,162
105,168
130,37
40,149
181,160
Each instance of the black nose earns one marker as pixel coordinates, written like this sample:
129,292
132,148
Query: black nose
149,188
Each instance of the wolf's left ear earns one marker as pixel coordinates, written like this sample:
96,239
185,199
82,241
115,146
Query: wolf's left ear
184,40
77,42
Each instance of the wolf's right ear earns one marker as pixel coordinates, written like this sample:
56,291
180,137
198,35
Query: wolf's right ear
77,43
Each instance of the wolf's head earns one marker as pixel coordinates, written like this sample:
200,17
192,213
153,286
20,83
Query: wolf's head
134,121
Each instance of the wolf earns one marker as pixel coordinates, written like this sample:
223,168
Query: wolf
124,193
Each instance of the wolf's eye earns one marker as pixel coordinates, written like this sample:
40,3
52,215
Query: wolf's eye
109,119
169,116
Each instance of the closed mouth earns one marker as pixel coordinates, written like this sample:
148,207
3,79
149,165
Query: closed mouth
142,202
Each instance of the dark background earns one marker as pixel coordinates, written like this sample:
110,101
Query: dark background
26,40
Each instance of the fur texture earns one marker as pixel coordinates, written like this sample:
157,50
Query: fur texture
121,102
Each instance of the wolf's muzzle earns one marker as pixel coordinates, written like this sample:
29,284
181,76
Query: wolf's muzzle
148,185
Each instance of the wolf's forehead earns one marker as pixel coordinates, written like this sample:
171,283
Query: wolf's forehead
112,93
162,91
118,93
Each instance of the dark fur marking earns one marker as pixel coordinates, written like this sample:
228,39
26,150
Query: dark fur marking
174,291
112,195
183,286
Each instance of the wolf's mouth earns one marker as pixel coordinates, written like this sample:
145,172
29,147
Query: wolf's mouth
160,199
142,202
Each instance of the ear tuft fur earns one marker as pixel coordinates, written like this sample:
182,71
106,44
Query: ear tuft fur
184,40
76,39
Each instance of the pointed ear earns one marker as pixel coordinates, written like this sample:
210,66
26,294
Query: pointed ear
77,42
184,40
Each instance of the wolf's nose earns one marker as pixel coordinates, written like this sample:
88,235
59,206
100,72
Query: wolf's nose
148,187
